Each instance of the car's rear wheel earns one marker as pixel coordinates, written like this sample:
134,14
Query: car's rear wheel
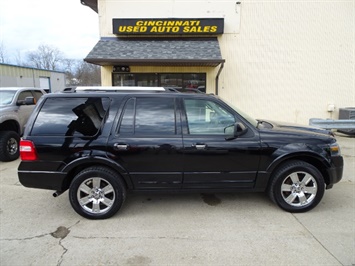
9,146
297,186
97,193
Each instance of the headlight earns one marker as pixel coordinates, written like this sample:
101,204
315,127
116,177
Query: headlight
334,149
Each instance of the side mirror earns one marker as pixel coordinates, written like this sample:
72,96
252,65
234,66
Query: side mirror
240,129
27,101
234,131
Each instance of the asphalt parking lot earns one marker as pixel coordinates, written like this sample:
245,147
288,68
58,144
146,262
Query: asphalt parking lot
192,229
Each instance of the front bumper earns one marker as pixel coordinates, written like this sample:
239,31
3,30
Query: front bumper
335,172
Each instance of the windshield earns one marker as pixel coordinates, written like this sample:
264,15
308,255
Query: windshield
6,97
250,119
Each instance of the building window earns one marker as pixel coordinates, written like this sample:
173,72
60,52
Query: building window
196,81
123,80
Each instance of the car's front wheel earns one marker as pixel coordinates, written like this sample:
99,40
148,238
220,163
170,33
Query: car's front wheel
297,186
97,193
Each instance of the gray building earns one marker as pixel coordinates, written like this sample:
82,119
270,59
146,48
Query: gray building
19,76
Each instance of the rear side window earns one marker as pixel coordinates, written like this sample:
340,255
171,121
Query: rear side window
37,94
70,117
149,116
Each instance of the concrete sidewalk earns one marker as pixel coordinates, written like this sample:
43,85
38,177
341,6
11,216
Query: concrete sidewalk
221,229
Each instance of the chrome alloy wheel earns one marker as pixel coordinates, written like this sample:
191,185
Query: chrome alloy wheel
299,189
96,195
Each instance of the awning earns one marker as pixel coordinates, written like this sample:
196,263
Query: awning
156,52
90,3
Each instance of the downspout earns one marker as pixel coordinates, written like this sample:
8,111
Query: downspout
217,77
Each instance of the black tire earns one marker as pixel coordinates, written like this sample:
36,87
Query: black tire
9,146
297,186
97,201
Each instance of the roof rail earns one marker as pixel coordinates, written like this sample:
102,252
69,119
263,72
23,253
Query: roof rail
118,88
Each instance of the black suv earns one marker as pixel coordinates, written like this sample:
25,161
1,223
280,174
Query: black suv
101,145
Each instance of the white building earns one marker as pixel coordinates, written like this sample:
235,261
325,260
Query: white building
280,60
18,76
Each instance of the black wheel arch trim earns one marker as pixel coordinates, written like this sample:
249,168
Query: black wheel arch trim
321,163
306,156
11,125
89,161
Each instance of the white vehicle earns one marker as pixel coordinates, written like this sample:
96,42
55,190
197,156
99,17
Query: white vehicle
16,105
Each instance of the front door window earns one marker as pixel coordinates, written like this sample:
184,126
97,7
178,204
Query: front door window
206,117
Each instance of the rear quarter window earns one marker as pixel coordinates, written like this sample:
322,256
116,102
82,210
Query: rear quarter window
70,117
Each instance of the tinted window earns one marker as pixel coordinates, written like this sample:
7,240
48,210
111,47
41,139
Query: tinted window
149,116
24,94
70,117
206,117
127,124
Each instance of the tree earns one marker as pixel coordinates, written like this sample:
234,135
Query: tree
46,57
2,53
5,59
19,61
70,66
81,73
88,74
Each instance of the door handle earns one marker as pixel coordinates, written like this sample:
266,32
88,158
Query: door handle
199,146
120,147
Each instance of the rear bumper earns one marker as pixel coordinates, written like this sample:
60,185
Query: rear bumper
43,180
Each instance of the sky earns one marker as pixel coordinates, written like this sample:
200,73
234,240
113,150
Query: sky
64,24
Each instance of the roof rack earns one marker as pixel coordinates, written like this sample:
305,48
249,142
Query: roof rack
130,89
119,88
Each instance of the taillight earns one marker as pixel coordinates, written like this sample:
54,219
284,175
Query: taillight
28,151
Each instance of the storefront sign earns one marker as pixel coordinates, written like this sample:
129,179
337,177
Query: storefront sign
200,26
